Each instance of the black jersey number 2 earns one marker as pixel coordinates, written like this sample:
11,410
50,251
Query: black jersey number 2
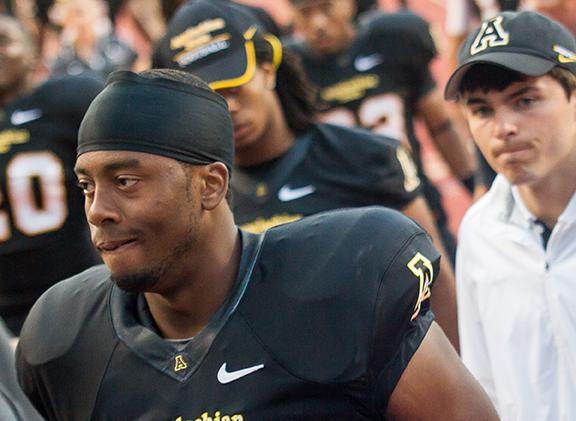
35,194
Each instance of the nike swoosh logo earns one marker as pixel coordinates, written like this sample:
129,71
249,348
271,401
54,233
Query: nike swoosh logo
19,117
287,194
364,63
230,376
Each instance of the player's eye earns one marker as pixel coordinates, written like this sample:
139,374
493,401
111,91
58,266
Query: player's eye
480,111
86,186
525,102
125,182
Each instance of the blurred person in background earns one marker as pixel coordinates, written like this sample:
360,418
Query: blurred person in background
88,43
376,75
43,233
516,82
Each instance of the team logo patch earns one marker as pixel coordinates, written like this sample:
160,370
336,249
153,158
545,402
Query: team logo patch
565,55
491,34
422,268
179,363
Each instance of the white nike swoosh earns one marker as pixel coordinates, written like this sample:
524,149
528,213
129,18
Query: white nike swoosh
364,63
19,117
230,376
287,194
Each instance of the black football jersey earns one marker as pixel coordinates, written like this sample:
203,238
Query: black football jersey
329,167
376,82
323,318
43,233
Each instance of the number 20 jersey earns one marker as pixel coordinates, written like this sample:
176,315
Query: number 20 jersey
43,233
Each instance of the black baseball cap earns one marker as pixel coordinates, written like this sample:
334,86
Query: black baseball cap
214,40
526,42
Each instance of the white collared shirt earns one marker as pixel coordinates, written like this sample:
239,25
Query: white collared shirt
517,306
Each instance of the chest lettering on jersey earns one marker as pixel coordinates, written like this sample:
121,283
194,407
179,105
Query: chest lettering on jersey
179,364
422,268
12,137
217,417
350,89
492,34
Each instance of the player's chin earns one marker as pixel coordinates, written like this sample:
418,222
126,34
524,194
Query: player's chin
143,280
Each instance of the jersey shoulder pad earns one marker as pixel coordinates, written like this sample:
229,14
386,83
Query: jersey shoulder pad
60,314
379,168
341,145
316,286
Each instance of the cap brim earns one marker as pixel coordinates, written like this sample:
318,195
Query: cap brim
528,65
231,70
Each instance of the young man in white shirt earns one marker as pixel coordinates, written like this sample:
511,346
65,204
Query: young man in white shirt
517,247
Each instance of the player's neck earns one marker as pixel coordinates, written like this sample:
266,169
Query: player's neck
547,198
201,287
277,139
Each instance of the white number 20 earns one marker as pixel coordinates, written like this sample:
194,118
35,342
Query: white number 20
29,217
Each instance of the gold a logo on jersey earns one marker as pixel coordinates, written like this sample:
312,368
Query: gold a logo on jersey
179,363
217,417
422,268
491,34
11,137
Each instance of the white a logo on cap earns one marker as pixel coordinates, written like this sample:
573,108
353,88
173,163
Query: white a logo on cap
492,34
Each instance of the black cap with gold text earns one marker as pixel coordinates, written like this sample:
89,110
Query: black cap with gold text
526,42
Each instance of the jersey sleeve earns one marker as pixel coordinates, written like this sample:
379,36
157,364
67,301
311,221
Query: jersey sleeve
380,173
401,181
402,314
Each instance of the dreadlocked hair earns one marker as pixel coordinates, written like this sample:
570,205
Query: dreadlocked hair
297,96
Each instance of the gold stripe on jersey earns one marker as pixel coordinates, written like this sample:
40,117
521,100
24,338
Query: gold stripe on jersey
11,137
262,224
350,89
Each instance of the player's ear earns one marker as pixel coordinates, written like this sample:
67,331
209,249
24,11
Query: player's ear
214,185
269,74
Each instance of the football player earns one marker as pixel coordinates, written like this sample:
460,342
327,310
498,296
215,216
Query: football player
375,75
43,234
194,319
287,166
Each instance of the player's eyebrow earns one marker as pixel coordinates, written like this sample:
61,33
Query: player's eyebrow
128,163
514,94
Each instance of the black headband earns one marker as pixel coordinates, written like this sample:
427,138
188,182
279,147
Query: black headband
159,116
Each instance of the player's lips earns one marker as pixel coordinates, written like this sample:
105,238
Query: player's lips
240,130
513,152
108,246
